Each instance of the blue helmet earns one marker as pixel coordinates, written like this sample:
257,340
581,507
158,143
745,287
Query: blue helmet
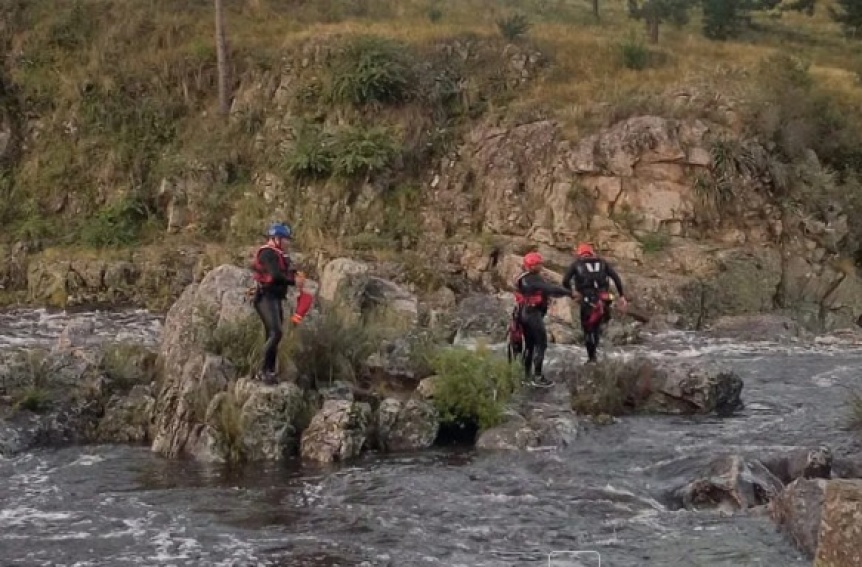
279,230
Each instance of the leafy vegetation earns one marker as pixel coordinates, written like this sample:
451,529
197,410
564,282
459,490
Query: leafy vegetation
474,386
372,70
127,365
117,116
239,342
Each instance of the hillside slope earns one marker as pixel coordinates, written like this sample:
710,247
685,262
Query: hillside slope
416,133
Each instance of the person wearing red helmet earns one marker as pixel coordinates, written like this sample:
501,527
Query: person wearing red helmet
589,277
532,293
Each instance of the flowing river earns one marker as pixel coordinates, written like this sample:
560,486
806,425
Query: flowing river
124,506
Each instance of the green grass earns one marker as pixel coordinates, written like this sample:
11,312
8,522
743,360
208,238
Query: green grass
125,95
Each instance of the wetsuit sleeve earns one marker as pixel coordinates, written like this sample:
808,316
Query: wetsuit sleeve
569,276
615,277
269,260
537,283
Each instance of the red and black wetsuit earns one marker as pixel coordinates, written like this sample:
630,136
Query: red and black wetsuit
532,296
273,273
591,277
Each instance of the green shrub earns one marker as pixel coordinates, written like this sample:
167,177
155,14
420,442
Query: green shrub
363,151
34,399
334,345
435,14
654,242
127,365
474,386
225,419
635,55
349,153
513,27
119,224
372,70
313,154
240,342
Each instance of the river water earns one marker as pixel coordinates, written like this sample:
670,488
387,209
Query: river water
124,506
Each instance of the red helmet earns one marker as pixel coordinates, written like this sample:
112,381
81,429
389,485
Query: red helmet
585,249
532,260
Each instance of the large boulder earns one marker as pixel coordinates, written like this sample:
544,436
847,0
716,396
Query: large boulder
730,483
401,363
406,426
49,399
535,428
797,510
337,432
840,540
641,385
191,377
369,294
337,271
128,418
806,463
756,328
253,422
481,318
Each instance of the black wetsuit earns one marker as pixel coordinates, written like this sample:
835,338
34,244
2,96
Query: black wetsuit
268,302
532,319
590,276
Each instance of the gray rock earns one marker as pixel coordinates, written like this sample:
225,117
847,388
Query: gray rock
730,483
337,432
797,512
406,426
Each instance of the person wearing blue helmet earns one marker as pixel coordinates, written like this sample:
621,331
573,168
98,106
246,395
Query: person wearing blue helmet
273,274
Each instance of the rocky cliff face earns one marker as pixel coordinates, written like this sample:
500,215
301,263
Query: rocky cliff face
631,189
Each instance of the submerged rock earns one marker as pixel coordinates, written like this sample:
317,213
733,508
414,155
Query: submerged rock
614,387
536,429
800,463
757,328
729,483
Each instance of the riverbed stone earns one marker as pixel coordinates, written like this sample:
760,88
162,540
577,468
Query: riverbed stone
840,540
191,377
337,432
641,385
128,418
797,511
730,483
406,426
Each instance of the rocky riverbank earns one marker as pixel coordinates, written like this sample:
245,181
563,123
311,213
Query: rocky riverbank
192,396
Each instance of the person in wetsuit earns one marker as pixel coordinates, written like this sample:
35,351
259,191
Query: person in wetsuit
273,274
532,293
589,276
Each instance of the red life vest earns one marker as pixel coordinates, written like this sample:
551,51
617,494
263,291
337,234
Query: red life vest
532,300
260,273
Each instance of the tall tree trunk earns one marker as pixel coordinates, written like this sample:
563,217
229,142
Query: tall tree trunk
596,8
652,26
221,55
